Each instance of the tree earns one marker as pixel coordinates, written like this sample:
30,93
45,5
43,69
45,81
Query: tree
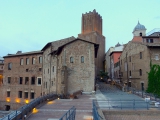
103,74
154,80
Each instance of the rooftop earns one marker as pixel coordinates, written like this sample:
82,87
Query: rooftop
139,27
153,31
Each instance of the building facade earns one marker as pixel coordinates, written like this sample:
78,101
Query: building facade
92,31
22,79
136,58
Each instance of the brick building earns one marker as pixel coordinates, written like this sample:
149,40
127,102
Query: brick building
136,58
1,69
22,80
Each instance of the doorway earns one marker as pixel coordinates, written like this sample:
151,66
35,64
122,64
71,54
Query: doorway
7,107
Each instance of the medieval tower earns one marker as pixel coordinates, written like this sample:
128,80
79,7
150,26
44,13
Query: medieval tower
92,31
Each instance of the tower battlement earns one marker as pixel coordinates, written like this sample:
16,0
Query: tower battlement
91,21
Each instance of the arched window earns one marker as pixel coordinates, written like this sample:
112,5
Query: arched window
71,59
140,72
82,59
140,34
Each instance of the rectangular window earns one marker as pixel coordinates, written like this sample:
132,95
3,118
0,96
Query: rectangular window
32,95
33,81
26,80
46,84
9,80
21,61
48,71
27,61
39,81
40,69
140,72
9,66
82,59
33,60
156,57
52,83
149,40
130,73
129,58
140,55
20,94
21,80
71,59
44,71
40,59
53,68
25,95
8,93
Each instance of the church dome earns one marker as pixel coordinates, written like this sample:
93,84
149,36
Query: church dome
139,27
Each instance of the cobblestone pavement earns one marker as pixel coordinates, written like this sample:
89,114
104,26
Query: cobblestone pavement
55,109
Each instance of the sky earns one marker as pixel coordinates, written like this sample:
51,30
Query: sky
28,25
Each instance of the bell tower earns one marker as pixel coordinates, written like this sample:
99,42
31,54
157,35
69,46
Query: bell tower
91,21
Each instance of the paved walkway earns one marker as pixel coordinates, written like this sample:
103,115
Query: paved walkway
53,110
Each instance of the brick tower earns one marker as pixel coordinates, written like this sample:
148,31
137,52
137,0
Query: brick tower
91,21
92,31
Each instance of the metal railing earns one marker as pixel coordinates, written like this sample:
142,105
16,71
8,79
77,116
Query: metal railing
124,104
96,115
144,94
23,111
69,115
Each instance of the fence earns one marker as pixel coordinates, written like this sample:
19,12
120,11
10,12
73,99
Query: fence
69,115
96,115
144,94
140,93
124,104
22,112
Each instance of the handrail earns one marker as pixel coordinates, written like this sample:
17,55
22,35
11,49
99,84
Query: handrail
96,115
28,107
69,115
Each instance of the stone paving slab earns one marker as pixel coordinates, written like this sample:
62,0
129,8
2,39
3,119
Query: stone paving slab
55,109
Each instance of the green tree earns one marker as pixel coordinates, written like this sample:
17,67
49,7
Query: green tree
154,80
103,74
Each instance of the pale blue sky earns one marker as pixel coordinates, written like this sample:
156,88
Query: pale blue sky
28,25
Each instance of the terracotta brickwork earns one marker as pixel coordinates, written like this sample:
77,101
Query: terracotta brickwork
22,79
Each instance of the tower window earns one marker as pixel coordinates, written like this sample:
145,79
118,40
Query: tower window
140,34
